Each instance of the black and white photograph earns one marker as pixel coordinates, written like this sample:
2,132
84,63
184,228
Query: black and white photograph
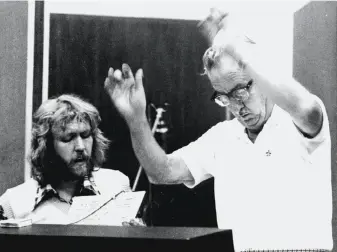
168,125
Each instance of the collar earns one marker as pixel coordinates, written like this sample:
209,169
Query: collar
88,187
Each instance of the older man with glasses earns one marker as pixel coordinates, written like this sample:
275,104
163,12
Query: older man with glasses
271,164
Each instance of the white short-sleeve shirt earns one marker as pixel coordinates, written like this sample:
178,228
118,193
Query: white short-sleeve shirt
275,193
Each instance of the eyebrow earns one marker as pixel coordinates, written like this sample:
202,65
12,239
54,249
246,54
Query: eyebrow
74,132
71,132
238,86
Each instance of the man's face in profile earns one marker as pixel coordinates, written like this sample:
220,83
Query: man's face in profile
73,144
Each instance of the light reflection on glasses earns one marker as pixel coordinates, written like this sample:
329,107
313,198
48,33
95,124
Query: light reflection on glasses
239,94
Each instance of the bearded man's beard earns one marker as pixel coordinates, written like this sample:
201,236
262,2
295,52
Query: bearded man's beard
58,170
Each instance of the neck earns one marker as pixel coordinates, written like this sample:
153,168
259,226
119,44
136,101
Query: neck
67,189
253,133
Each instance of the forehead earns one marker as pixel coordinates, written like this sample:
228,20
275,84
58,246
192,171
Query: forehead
227,75
71,127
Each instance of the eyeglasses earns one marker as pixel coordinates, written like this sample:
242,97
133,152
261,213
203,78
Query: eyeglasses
239,94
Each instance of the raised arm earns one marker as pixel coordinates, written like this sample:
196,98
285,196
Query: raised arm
291,96
128,96
283,90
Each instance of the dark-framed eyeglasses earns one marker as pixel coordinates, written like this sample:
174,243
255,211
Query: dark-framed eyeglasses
239,94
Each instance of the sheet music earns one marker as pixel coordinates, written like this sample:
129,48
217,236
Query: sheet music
102,210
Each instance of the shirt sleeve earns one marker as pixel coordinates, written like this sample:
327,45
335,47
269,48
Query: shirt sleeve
201,156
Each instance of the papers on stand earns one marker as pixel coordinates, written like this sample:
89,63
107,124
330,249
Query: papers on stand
102,210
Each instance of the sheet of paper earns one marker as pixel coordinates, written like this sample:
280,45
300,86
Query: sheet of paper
100,210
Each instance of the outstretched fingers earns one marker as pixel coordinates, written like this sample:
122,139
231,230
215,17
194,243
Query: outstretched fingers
121,80
127,72
113,81
139,79
109,84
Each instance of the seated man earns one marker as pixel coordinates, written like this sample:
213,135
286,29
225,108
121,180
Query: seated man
67,151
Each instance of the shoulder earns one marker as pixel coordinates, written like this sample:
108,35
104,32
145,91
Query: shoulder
27,188
217,137
223,130
20,200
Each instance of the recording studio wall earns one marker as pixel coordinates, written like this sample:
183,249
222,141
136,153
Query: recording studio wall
13,69
315,66
82,48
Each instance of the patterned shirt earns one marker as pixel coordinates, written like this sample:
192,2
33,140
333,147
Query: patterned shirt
88,187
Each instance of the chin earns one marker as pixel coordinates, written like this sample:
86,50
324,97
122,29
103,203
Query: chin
253,125
80,170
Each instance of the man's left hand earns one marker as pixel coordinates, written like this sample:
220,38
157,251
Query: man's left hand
222,31
134,222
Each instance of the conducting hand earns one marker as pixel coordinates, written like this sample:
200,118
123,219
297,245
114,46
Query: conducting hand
222,30
211,25
127,92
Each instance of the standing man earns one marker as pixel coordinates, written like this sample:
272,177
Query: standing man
271,164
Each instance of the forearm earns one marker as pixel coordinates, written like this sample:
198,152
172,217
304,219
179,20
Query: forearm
151,156
290,95
281,88
127,94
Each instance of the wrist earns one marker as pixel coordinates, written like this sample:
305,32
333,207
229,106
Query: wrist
137,123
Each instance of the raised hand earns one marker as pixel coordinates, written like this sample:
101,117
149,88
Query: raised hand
222,30
211,25
127,92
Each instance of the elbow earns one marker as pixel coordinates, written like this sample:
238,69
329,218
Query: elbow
315,118
165,173
312,118
154,180
159,179
315,114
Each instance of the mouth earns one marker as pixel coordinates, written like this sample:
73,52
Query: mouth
80,160
246,116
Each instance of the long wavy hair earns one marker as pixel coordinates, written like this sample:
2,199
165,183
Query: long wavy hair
58,112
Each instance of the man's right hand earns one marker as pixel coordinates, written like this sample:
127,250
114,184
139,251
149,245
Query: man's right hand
127,93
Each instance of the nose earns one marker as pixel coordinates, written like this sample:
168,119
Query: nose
79,144
235,105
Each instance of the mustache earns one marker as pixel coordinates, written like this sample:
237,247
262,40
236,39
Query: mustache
81,157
